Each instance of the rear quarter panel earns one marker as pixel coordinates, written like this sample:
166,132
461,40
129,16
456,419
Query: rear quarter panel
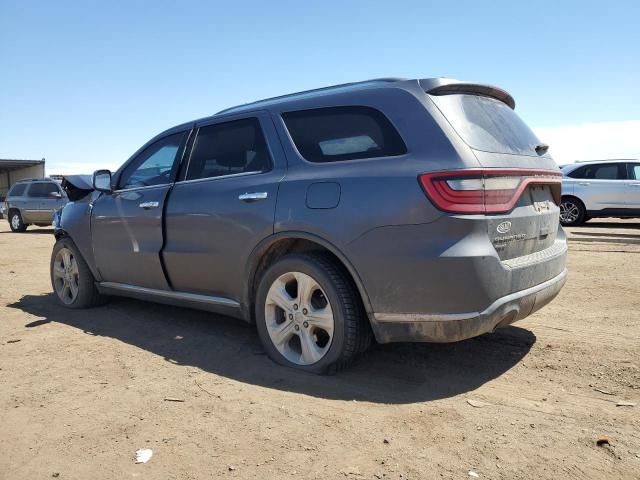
373,192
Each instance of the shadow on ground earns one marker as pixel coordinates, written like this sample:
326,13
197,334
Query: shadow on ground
609,225
395,373
604,233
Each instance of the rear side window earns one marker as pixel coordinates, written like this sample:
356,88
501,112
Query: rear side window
611,171
487,124
634,171
228,149
17,190
607,172
42,190
343,133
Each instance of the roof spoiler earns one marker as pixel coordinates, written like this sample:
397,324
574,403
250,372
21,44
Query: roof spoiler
448,86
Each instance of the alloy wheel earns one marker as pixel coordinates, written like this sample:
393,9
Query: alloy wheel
299,318
15,221
569,211
66,276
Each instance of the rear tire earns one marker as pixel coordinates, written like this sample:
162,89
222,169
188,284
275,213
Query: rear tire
572,212
72,281
309,314
16,223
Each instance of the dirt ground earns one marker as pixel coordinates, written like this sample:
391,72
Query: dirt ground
81,391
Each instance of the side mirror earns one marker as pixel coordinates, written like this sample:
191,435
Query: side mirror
102,180
57,195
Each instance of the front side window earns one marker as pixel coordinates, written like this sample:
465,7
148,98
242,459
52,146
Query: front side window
634,171
156,165
229,148
17,190
336,134
43,190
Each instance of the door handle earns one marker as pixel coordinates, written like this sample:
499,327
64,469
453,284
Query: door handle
253,197
635,185
584,183
148,205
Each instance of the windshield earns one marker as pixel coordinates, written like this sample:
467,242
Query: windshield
487,124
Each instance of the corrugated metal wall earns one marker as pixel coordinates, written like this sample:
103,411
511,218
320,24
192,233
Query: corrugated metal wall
9,178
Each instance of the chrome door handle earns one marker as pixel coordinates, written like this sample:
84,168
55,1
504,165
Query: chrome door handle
584,183
148,205
253,197
635,185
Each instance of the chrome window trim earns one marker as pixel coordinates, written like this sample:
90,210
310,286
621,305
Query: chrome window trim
135,189
220,177
195,180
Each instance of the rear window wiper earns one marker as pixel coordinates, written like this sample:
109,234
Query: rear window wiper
542,148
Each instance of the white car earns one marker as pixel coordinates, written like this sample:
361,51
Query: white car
604,188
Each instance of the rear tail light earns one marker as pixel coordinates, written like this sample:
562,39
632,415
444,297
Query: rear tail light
477,191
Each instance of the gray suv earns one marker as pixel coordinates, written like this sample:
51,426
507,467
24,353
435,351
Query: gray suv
33,202
405,210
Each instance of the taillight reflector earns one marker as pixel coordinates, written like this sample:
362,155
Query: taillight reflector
477,191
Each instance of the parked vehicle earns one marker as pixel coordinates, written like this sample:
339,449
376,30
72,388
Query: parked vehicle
33,201
416,210
605,188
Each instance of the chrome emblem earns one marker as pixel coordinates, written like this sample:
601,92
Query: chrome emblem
504,227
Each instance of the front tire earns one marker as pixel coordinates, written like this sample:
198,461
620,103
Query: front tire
572,212
309,314
72,281
16,223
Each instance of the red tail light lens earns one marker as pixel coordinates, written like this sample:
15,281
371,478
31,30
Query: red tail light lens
484,190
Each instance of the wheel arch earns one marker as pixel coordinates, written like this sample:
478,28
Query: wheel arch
13,210
274,247
59,233
570,195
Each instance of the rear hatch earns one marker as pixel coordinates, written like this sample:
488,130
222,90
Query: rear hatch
516,190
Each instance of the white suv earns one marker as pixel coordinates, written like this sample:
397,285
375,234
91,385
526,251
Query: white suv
605,188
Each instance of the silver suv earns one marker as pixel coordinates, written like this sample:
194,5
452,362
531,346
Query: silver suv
605,188
33,202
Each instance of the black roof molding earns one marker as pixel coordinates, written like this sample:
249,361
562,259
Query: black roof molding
309,93
448,86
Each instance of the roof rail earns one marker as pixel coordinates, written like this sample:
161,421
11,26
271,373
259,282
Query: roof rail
315,90
32,179
608,160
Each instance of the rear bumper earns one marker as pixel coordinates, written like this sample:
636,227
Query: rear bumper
440,328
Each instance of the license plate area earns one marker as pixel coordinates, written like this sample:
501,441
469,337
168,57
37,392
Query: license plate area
530,227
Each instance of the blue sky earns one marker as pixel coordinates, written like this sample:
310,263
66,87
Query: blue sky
84,84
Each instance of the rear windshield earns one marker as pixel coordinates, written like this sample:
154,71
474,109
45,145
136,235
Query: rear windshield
487,124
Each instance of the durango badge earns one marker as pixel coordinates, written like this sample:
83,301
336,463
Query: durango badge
504,227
